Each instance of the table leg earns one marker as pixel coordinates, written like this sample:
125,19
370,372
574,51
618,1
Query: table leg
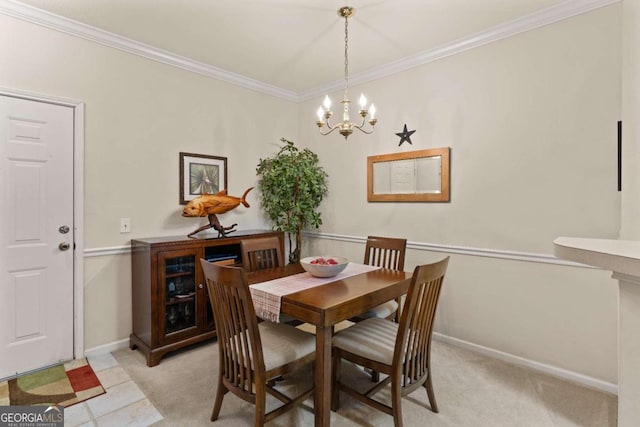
322,377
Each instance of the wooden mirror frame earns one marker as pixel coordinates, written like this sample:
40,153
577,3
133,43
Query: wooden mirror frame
442,196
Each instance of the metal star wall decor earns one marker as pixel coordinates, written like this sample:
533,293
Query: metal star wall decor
405,135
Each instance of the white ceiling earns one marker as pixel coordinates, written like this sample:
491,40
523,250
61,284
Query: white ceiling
298,45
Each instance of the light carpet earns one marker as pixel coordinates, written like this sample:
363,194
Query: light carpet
471,390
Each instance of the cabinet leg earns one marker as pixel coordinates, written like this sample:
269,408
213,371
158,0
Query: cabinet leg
153,359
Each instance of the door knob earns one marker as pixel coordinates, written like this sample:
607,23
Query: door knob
64,246
200,286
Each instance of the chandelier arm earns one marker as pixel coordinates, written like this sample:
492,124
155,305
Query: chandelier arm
330,131
360,128
326,122
364,121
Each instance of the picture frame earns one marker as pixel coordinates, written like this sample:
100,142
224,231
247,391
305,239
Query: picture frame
200,174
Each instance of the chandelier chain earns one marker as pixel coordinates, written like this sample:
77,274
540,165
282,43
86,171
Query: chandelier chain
346,58
366,113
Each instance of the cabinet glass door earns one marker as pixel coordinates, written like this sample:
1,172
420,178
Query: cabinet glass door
180,292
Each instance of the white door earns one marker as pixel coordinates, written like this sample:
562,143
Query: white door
36,234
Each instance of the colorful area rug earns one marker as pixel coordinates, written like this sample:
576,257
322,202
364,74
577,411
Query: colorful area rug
64,384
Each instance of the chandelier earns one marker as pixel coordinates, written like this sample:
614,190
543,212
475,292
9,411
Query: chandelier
324,112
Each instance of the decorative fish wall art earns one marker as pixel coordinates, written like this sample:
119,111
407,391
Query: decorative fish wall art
210,205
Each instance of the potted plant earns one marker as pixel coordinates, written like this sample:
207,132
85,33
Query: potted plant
292,185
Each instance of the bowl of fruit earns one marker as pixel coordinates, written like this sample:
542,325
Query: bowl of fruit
324,266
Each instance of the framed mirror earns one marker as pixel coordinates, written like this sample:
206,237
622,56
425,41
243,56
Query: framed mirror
415,176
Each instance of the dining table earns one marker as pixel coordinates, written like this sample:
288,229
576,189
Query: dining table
327,304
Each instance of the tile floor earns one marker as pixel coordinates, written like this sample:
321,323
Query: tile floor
124,404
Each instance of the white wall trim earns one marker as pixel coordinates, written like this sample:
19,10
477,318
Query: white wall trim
78,205
106,251
460,250
550,15
69,26
423,246
107,348
564,10
78,218
489,352
564,374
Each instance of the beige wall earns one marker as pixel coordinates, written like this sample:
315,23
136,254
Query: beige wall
139,115
530,121
631,125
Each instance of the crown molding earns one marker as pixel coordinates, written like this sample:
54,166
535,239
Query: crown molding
559,12
564,10
41,17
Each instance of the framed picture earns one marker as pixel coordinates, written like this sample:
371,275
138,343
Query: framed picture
201,174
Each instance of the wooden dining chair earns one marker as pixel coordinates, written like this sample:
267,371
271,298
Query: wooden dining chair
400,350
252,354
385,252
261,253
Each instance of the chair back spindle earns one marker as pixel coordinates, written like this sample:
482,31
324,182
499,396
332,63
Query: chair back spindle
385,252
258,254
236,326
416,323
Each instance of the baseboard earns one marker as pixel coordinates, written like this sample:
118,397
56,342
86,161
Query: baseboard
107,348
536,366
564,374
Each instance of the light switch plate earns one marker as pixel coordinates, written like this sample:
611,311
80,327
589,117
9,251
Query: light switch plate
125,225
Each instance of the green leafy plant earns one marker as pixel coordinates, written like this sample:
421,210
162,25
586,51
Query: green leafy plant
292,185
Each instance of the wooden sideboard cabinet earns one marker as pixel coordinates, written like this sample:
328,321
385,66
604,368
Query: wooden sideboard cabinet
170,301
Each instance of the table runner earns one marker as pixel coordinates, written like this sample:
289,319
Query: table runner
267,296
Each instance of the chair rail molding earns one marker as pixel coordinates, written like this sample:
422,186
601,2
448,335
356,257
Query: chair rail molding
421,246
461,250
107,251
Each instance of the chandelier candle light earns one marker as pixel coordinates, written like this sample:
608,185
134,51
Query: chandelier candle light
324,112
